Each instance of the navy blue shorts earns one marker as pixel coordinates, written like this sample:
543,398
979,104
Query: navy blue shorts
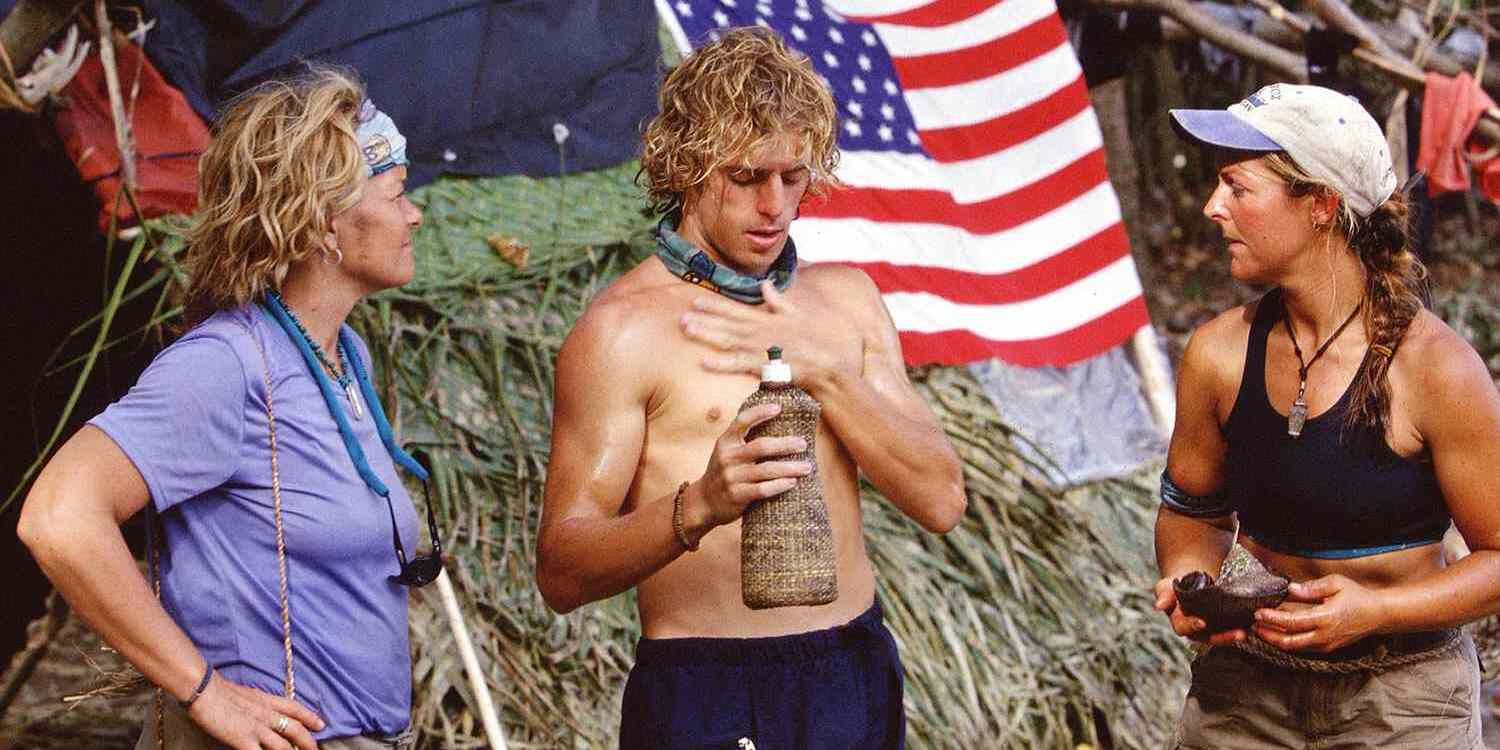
836,688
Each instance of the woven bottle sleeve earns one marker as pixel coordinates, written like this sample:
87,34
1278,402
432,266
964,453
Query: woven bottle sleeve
787,557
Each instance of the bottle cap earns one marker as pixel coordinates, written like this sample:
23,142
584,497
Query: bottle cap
776,370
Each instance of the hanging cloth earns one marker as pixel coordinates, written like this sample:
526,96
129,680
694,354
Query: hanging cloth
1450,109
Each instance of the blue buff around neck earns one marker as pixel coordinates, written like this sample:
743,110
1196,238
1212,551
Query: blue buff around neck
691,264
278,313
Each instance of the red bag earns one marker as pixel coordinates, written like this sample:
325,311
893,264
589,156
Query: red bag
169,137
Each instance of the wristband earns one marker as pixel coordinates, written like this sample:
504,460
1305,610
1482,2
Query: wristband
677,518
208,674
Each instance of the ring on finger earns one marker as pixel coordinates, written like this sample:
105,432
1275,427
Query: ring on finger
282,722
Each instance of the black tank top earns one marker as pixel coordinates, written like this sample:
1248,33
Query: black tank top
1331,492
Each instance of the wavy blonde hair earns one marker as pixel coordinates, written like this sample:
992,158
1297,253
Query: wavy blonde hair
282,163
1395,284
723,102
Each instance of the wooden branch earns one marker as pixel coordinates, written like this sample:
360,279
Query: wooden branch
1477,20
1285,17
1338,16
26,29
1287,65
1261,27
123,136
1290,66
1438,62
1376,53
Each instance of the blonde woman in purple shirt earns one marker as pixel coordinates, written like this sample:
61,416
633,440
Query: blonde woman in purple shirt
261,449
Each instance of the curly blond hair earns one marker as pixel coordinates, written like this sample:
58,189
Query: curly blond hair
723,102
282,163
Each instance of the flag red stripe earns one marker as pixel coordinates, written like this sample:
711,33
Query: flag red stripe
1088,340
969,288
982,60
986,217
965,142
940,13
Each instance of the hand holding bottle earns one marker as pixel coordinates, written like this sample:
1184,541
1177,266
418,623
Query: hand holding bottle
739,472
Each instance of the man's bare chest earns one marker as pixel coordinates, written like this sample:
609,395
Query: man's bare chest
693,403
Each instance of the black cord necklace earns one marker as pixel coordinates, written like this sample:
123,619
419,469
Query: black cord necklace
1298,415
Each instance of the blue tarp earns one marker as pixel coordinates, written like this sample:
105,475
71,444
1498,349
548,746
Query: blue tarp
476,87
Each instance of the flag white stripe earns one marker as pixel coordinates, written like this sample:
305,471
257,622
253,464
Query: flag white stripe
871,8
982,178
1000,94
949,247
1048,315
1000,20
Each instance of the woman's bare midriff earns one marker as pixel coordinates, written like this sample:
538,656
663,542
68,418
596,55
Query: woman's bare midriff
1374,571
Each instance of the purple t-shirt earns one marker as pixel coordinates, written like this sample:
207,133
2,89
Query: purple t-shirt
195,427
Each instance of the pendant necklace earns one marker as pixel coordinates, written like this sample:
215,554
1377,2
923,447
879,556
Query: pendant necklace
1297,417
355,405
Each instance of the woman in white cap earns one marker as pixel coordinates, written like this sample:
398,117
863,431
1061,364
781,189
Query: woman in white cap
1343,426
261,449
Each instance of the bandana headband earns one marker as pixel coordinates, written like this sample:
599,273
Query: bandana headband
381,144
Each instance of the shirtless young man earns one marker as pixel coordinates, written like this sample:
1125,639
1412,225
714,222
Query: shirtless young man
650,471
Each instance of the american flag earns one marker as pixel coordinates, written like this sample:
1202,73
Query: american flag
977,200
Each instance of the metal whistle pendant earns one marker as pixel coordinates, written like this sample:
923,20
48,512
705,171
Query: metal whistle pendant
358,407
1297,417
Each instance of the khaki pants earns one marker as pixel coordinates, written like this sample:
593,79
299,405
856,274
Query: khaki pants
182,734
1239,702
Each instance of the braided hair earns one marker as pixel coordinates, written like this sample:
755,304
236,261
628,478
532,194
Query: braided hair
1395,287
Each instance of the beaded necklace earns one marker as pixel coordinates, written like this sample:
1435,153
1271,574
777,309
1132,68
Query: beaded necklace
339,373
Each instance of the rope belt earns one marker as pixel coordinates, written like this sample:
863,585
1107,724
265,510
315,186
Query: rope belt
1375,654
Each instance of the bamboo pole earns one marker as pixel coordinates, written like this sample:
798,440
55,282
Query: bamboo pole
1156,378
124,140
465,643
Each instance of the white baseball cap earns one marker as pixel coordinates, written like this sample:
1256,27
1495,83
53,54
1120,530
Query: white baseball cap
1327,133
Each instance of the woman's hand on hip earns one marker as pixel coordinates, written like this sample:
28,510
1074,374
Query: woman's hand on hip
1325,614
248,719
1186,625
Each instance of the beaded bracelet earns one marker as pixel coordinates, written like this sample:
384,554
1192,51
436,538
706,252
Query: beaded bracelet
198,691
677,519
